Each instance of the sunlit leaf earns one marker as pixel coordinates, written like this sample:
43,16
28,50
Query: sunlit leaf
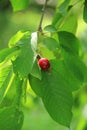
70,24
50,43
24,62
19,4
15,38
7,53
45,52
5,79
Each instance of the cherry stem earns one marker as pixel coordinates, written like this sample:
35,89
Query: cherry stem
38,57
42,16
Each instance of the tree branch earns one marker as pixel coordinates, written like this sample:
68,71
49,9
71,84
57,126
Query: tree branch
41,20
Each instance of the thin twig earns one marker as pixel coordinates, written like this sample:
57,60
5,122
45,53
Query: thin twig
41,20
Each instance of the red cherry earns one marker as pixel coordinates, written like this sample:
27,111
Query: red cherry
44,63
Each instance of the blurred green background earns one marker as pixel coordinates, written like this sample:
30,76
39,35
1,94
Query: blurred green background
36,117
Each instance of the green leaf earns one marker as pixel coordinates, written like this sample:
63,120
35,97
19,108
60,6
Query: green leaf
50,28
35,84
63,7
45,52
36,71
19,4
55,94
57,99
50,43
18,82
70,24
69,42
15,91
7,53
85,11
66,75
76,66
63,71
5,79
24,62
57,17
14,39
11,119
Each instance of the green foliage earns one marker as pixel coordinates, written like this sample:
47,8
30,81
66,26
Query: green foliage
63,7
66,74
19,4
14,39
11,118
23,64
85,11
5,76
45,52
36,71
70,24
69,42
64,18
50,43
50,28
55,94
19,64
56,18
70,51
77,67
8,53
